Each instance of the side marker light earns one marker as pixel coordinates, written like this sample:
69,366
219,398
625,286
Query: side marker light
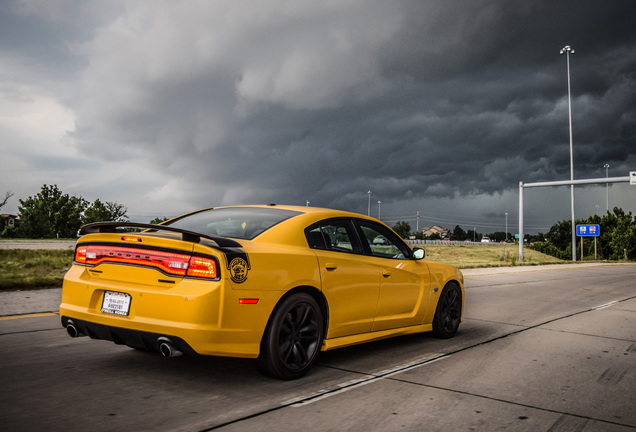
248,301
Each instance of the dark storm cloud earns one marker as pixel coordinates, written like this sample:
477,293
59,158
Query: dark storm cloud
276,101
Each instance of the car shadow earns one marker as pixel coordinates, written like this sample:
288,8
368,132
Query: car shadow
367,358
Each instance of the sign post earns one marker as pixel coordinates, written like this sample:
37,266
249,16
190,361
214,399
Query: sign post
588,231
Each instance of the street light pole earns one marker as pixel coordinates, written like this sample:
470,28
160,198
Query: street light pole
567,50
606,166
379,202
369,209
506,239
417,224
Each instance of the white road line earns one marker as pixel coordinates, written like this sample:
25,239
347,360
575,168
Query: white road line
359,382
603,306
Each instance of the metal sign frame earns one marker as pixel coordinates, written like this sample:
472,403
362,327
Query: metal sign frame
561,183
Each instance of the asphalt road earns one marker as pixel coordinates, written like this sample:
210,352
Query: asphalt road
37,244
540,349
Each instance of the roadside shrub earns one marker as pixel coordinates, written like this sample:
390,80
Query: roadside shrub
550,249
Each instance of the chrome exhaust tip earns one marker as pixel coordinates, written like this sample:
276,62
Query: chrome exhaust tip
167,349
72,330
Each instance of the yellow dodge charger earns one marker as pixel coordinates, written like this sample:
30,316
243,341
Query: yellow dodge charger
275,283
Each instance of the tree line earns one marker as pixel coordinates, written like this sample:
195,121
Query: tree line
53,214
617,239
458,234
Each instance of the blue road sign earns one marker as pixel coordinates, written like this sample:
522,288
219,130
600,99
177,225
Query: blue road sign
588,230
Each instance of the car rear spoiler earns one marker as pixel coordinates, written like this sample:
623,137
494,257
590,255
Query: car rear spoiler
189,236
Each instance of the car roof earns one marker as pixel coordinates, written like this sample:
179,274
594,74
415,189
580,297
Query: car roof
289,231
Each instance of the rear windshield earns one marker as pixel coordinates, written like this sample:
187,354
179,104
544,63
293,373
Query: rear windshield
236,222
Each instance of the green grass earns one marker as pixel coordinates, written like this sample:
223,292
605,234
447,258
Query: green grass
33,268
487,256
43,268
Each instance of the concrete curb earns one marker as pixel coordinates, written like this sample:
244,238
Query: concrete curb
526,269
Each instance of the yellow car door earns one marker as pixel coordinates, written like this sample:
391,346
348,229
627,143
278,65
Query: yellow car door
403,294
405,282
350,283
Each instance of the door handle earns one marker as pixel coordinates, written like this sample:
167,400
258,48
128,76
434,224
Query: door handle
331,266
386,273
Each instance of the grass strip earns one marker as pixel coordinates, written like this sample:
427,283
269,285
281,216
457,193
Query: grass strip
33,268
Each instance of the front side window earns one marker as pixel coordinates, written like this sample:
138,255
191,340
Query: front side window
336,235
383,242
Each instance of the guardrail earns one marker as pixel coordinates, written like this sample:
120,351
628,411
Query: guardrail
450,243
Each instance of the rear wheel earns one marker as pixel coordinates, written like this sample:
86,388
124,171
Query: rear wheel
292,338
448,313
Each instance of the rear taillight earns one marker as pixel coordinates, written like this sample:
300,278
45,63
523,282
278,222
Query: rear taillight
202,267
168,262
80,255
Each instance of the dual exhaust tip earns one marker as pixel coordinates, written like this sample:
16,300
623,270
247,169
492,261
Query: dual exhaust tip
166,348
72,330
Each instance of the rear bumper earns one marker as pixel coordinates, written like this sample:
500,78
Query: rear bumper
147,341
197,317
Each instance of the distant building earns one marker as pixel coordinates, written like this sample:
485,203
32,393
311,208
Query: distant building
436,229
9,220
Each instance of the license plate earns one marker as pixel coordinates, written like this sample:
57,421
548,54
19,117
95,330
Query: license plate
117,303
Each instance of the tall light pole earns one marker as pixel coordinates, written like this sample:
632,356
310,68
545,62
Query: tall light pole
379,202
369,209
506,239
606,166
417,223
567,50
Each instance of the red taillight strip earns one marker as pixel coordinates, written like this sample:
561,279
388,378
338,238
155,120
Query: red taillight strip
168,262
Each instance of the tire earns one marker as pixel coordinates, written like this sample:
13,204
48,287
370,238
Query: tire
448,313
292,339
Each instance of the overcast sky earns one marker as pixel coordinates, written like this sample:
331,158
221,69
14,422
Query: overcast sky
439,107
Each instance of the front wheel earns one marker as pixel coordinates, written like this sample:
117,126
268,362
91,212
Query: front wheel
448,313
292,338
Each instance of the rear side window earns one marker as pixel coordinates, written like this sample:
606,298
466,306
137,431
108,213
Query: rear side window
335,235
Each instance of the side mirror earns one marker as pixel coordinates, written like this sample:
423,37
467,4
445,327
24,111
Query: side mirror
419,253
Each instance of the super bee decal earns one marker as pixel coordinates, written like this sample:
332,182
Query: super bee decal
238,265
238,270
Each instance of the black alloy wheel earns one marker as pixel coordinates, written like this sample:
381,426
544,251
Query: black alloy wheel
292,338
448,313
